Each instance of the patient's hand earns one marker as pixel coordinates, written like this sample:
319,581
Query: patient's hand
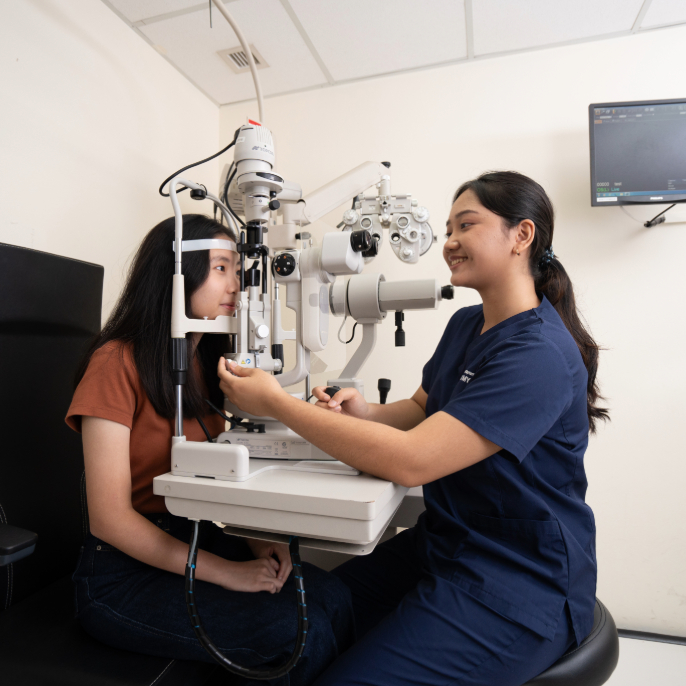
268,550
252,576
347,401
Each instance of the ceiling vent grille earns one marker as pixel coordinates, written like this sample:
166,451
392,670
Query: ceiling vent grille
238,60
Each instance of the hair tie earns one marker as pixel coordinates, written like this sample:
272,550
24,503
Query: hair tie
547,257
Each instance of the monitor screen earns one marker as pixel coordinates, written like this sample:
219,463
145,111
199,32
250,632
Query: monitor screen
638,152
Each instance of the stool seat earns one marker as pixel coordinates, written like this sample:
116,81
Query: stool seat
592,662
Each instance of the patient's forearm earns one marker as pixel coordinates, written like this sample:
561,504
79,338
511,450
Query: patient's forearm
135,536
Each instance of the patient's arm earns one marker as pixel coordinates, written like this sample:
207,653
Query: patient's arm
113,519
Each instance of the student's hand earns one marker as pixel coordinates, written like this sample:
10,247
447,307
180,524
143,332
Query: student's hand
267,550
251,390
347,401
253,576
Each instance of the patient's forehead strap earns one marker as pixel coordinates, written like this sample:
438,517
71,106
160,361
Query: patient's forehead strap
206,244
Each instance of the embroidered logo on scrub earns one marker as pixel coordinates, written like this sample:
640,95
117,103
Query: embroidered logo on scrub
467,376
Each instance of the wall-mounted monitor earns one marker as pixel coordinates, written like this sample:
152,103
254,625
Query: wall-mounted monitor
638,152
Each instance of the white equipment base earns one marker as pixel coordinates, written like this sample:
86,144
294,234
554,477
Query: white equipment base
352,510
234,461
277,443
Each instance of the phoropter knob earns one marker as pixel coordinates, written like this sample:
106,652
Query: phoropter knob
360,241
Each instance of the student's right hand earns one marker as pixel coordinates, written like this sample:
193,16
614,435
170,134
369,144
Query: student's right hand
347,401
253,576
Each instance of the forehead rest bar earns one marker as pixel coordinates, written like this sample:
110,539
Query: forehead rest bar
206,244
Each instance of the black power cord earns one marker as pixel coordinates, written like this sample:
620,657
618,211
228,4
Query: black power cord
196,164
350,340
231,420
658,218
211,648
225,197
204,428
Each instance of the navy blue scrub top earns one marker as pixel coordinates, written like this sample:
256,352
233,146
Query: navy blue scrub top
513,530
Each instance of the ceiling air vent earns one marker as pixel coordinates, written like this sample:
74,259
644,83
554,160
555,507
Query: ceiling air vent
238,60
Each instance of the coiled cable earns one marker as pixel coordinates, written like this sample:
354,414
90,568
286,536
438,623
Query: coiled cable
206,642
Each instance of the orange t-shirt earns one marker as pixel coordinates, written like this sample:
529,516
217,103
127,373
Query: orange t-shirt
111,389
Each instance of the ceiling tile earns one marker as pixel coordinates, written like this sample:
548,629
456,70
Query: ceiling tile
357,38
135,10
503,25
663,12
190,43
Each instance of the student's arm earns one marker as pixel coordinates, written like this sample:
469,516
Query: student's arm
113,519
435,447
403,414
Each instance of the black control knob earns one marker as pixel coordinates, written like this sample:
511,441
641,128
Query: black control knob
399,331
253,275
374,248
274,205
360,241
447,292
284,264
332,390
384,386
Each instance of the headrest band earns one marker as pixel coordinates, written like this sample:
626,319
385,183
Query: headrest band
206,244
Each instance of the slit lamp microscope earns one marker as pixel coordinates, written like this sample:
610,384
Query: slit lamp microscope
260,450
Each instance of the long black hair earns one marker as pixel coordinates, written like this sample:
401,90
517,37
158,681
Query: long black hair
516,197
142,318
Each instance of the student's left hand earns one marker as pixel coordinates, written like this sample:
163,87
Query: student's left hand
251,390
267,550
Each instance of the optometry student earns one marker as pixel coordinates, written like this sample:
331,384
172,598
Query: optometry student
129,581
497,579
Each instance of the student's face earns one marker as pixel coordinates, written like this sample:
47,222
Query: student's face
217,296
478,249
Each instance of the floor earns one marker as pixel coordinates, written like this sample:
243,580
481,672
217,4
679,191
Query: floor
646,663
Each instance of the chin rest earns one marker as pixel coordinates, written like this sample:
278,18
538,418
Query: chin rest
592,662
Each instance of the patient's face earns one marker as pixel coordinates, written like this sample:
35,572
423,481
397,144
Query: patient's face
217,296
478,247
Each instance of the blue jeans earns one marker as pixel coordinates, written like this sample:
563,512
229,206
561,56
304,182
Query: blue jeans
417,628
130,605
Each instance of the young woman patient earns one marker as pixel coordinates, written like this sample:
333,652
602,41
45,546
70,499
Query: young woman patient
130,584
497,579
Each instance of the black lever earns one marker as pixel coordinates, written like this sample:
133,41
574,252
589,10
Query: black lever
384,386
399,332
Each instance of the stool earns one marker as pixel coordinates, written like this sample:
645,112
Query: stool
592,662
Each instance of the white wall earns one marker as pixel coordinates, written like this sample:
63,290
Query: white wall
529,112
92,120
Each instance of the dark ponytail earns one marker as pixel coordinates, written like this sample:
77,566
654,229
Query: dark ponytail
516,197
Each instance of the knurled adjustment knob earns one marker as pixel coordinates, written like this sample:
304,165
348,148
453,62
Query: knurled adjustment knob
284,264
420,214
447,292
350,217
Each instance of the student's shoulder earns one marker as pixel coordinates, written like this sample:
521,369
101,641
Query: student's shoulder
553,330
465,315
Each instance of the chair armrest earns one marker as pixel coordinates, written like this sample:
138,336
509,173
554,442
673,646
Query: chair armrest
15,543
